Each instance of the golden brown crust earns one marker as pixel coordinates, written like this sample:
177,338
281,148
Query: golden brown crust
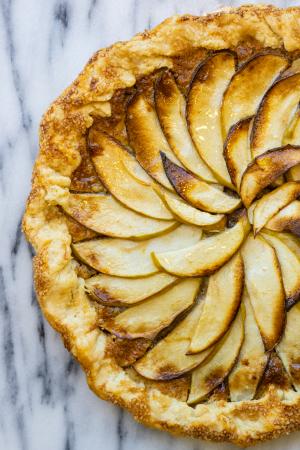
59,289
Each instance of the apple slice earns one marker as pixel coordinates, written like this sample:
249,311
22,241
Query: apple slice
105,215
288,219
274,114
245,91
187,213
250,212
170,107
265,287
146,138
168,359
221,303
246,374
199,193
271,203
293,137
126,258
116,291
289,347
291,241
156,313
136,171
289,265
265,169
237,152
216,367
204,110
109,158
206,256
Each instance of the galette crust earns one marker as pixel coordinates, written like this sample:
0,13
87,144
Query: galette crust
60,290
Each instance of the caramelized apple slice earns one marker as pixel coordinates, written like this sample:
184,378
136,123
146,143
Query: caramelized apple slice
206,256
274,114
109,158
170,107
245,91
217,366
168,359
289,346
125,258
245,376
156,313
265,287
116,291
105,215
187,213
199,193
288,219
267,206
221,303
146,138
265,169
204,110
237,152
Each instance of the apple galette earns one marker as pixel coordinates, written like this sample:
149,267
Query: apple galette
165,217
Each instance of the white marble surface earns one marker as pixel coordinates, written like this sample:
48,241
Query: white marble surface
44,400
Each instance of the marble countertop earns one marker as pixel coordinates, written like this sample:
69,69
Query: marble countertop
44,400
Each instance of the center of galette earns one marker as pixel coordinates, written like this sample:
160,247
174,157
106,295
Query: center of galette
187,233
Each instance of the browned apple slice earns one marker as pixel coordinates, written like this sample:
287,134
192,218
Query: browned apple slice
156,313
237,151
288,219
187,213
217,366
105,215
221,303
246,374
265,287
289,265
146,138
168,359
109,158
271,203
265,169
289,346
199,193
206,256
126,258
274,114
116,291
245,91
204,110
170,107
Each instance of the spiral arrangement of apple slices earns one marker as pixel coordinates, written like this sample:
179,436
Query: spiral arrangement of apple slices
195,239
